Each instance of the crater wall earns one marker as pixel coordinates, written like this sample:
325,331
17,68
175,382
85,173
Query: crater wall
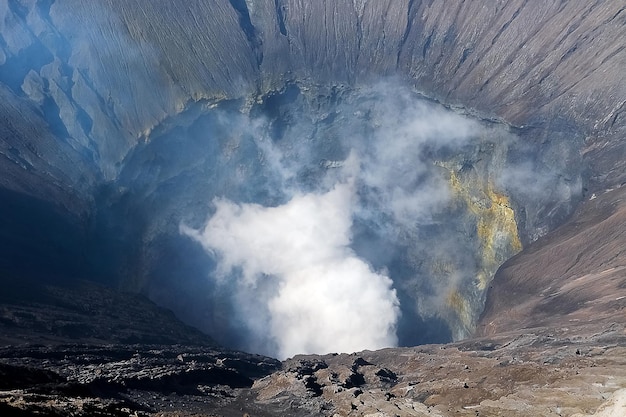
97,98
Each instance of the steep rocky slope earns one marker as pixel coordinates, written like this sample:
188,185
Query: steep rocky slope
116,102
573,275
530,64
88,313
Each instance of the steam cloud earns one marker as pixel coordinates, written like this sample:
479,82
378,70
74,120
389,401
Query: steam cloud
327,298
299,285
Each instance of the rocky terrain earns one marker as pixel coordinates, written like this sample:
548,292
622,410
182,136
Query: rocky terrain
538,372
125,380
74,354
83,349
120,120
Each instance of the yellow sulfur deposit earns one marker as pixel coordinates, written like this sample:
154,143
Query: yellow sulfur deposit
461,306
496,229
495,220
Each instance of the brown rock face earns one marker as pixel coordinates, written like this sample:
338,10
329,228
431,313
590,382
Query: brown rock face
575,275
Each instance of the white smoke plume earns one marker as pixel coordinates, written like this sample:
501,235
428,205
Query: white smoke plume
327,299
300,287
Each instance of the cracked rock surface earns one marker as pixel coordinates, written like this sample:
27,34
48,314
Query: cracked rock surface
539,372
